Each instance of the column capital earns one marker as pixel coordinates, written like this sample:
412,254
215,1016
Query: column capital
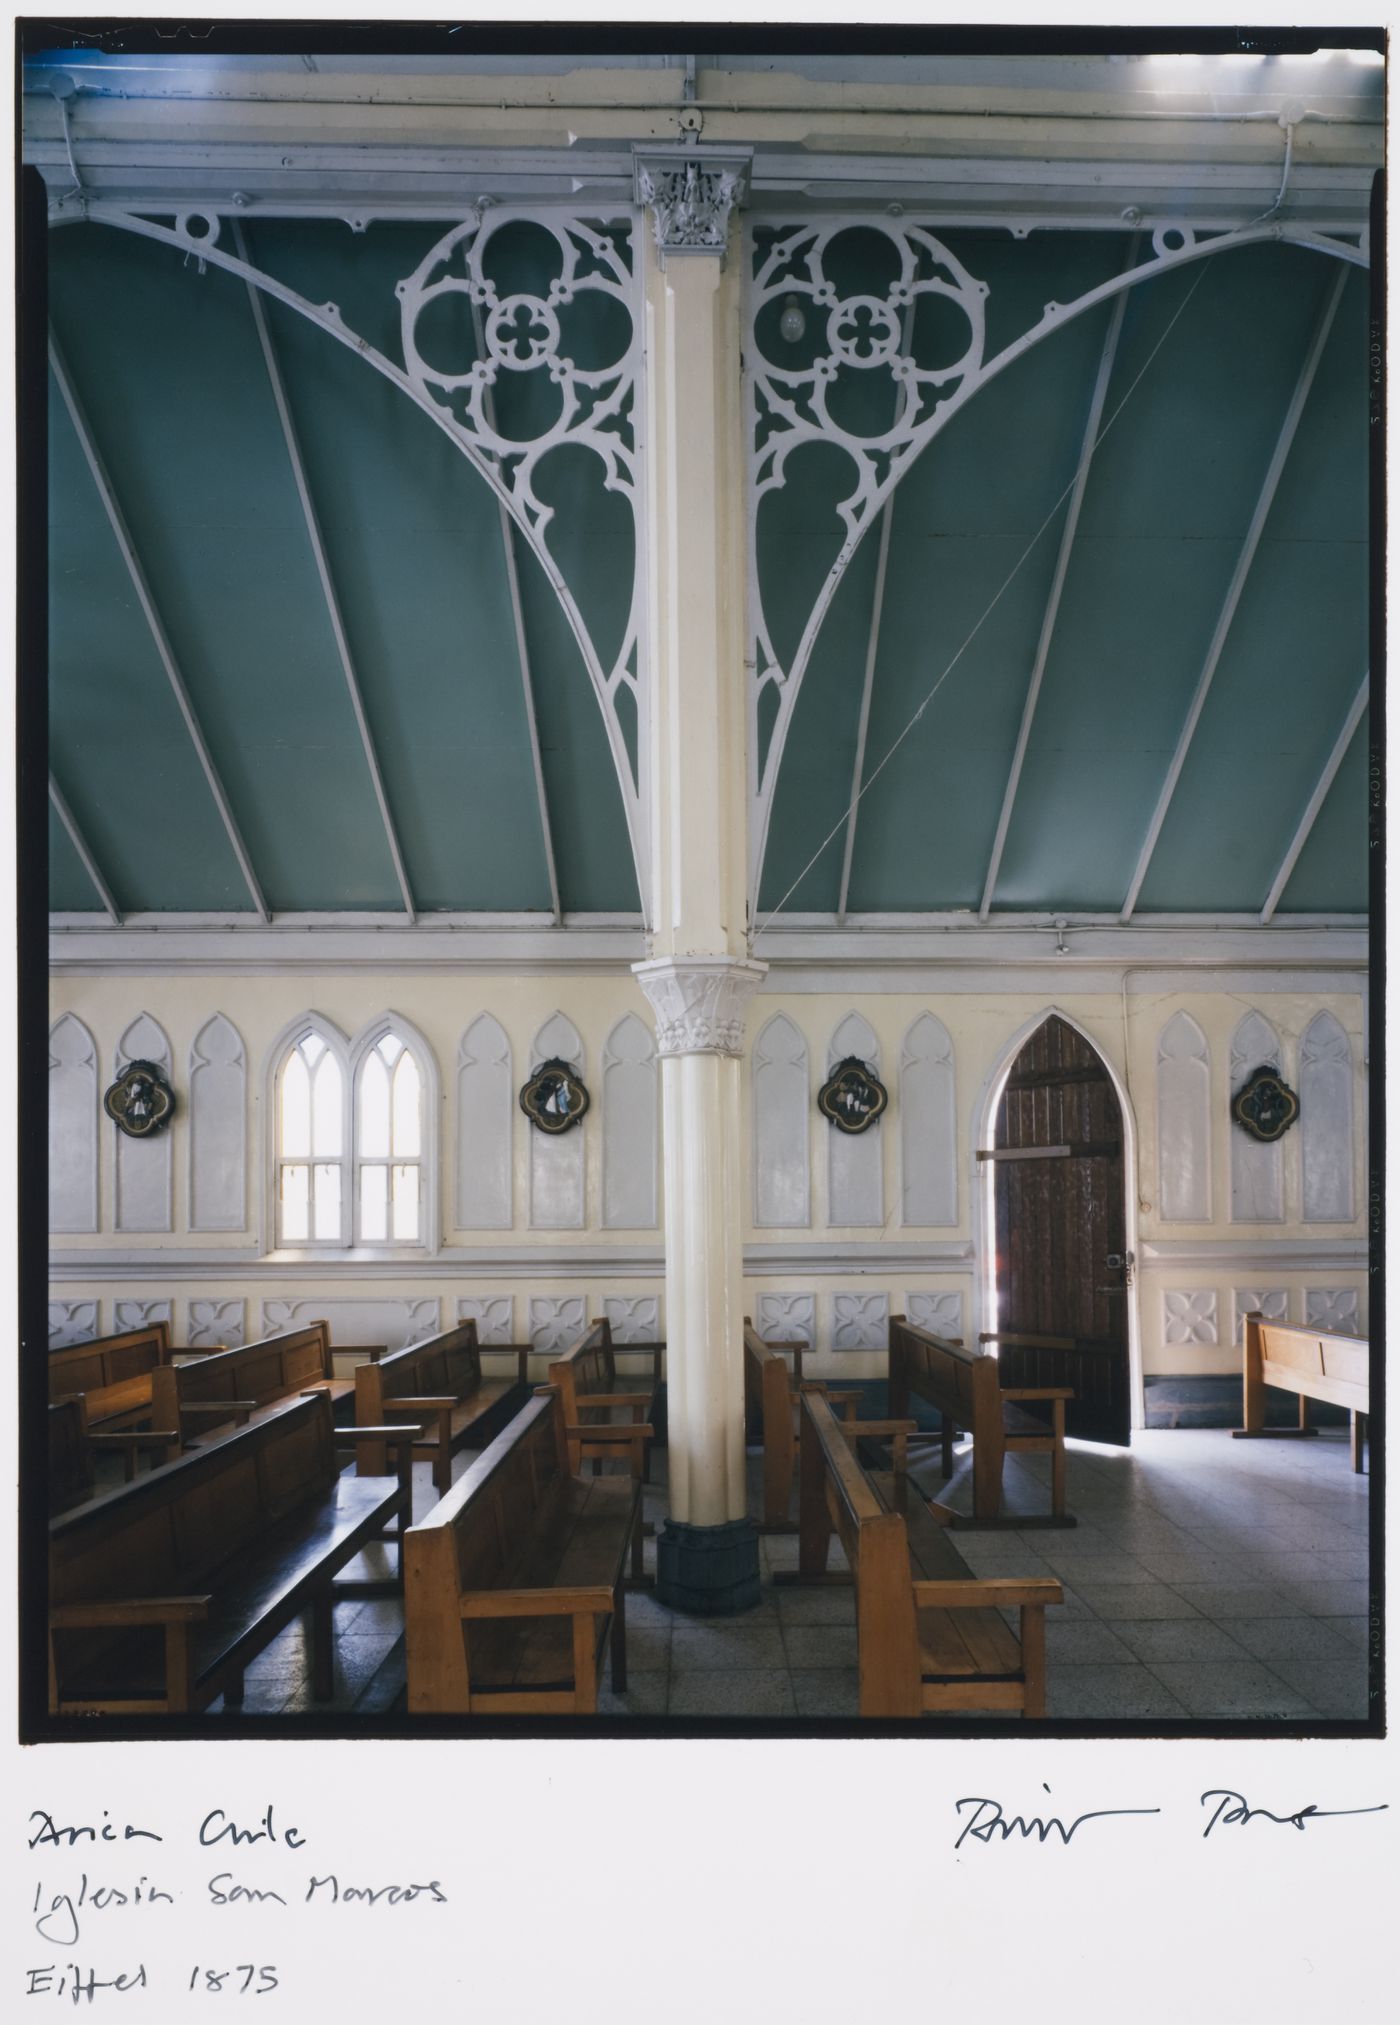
690,193
700,1002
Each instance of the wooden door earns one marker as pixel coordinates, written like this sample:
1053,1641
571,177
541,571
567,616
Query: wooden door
1062,1265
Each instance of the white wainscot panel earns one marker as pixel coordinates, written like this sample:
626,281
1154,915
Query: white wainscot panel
218,1128
556,1162
493,1314
355,1324
485,1119
941,1313
1270,1302
143,1165
787,1318
71,1322
215,1322
1190,1316
855,1161
1183,1122
139,1315
629,1127
73,1106
860,1321
556,1321
928,1124
1337,1309
634,1318
782,1197
1256,1170
1325,1121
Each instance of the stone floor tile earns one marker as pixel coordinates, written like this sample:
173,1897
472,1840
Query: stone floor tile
728,1645
648,1647
1137,1600
644,1607
1274,1638
826,1691
1329,1599
1109,1693
377,1614
1354,1632
647,1694
1177,1638
815,1606
1086,1643
1334,1687
739,1691
1233,1599
819,1645
1227,1689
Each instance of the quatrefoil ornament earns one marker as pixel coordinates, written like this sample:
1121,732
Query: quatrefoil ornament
854,1096
554,1099
1265,1107
141,1101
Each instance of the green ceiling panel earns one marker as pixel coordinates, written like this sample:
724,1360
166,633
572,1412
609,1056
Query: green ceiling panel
119,747
70,888
1333,869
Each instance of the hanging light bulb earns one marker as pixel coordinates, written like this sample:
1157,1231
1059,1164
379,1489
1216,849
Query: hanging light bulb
792,323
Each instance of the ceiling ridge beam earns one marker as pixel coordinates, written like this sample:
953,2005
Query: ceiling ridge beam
79,843
323,571
1057,583
135,570
522,650
1237,583
1315,801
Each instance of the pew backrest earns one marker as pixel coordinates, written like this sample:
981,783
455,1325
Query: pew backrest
113,1372
71,1478
253,1374
1311,1362
442,1366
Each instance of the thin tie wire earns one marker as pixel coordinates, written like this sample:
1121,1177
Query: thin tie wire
1005,586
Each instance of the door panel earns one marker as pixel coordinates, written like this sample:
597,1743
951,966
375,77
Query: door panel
1059,1221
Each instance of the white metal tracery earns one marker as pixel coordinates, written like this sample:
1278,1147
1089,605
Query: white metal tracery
787,400
599,407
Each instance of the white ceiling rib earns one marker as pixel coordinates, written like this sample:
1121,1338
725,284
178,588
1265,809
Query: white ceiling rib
136,572
871,655
80,845
1237,583
1057,582
323,571
521,648
1315,801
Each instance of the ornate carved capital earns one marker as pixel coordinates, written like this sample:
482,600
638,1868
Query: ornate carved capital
690,195
700,1002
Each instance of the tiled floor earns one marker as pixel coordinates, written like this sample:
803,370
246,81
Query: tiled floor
1206,1579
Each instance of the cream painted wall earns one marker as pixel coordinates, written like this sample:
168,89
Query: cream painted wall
853,1275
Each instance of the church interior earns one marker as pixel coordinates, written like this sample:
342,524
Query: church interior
709,849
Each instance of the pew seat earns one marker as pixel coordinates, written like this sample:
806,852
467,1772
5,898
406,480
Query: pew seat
771,1395
230,1387
600,1408
440,1384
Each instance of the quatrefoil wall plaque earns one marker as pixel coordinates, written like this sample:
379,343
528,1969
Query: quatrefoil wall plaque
853,1097
554,1099
1265,1107
141,1101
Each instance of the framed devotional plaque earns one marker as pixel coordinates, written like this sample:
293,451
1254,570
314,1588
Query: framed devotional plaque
853,1097
554,1099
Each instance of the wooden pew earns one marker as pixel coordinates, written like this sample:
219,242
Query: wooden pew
229,1387
438,1383
596,1412
1315,1365
771,1417
512,1581
160,1593
930,1636
74,1448
114,1373
966,1388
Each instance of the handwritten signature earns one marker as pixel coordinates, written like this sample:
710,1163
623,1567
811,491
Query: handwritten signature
1240,1813
989,1820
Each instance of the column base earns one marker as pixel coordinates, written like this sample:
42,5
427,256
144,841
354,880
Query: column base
708,1571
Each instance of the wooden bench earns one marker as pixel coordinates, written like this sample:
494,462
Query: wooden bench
771,1417
966,1388
594,1409
440,1384
231,1386
114,1373
74,1447
1315,1365
160,1593
930,1636
512,1581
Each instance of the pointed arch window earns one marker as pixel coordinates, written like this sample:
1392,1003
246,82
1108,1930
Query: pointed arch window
388,1145
311,1136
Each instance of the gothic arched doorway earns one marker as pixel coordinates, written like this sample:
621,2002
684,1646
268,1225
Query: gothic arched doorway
1062,1264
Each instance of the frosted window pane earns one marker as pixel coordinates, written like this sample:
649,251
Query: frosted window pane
294,1181
391,1047
407,1109
312,1047
296,1109
406,1203
325,1108
374,1223
327,1186
374,1107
